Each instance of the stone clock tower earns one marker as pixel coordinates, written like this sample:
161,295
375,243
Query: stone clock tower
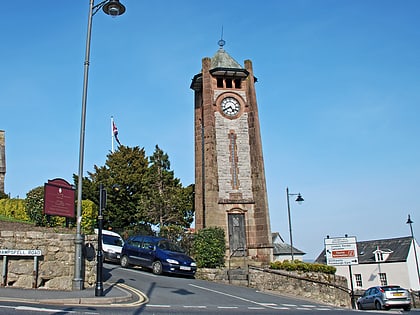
230,186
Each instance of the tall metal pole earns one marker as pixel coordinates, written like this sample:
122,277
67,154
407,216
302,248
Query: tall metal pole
290,223
78,280
414,246
99,288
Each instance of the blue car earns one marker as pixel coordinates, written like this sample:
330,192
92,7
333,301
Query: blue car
158,254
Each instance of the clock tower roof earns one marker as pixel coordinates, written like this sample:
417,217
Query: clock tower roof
222,59
221,64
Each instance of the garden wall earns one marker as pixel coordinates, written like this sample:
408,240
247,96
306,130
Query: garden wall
54,268
329,289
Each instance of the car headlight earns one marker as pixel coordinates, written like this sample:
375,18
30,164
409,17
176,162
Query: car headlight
193,264
172,261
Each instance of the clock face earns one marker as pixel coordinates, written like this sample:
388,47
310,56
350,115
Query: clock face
230,106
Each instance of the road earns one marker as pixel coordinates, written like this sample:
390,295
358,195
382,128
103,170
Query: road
177,295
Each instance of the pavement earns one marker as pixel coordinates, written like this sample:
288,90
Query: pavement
114,294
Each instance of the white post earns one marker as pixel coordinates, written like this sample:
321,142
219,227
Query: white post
112,134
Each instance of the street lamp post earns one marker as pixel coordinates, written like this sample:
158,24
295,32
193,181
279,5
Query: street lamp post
299,200
113,8
414,246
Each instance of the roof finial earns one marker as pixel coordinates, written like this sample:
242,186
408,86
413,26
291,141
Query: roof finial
221,42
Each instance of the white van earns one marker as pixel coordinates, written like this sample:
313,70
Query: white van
112,244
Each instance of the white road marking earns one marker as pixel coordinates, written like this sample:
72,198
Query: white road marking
267,305
155,305
39,309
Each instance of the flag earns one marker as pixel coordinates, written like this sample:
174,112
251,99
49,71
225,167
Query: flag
115,131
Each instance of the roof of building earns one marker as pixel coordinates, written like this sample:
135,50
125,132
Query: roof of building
222,59
396,249
281,248
222,64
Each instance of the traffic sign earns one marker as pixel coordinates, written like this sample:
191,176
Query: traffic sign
341,251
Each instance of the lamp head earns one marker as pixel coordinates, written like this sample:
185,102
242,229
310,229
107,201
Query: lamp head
113,8
409,220
299,199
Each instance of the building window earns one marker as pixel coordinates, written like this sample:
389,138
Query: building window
238,83
219,82
358,278
228,83
379,256
382,278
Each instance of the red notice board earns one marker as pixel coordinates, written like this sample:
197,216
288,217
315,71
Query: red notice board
59,198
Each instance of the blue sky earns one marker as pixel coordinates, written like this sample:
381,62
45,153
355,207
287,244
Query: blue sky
338,95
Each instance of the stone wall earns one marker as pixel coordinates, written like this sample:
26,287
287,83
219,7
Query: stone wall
329,289
55,267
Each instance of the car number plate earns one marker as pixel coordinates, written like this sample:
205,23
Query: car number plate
397,294
184,268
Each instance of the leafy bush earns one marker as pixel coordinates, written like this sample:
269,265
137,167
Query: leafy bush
297,265
13,208
34,206
209,247
89,216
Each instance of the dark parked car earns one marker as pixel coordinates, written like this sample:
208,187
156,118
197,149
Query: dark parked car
158,254
384,298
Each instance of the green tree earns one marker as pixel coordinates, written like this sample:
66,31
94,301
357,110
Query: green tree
124,178
169,204
139,193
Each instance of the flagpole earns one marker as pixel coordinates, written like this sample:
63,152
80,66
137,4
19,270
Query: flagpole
112,134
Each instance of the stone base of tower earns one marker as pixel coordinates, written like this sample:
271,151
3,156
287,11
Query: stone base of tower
255,257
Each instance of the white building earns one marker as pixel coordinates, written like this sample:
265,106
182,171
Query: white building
283,251
383,262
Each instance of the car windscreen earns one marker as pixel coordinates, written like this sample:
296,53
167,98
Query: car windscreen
166,245
111,240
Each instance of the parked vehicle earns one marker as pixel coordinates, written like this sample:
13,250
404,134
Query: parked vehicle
384,298
158,254
112,244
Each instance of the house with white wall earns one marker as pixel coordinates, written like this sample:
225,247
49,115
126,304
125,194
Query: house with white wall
283,251
383,262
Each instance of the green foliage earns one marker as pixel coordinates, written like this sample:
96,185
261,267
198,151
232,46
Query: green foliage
3,195
13,208
139,195
89,216
167,203
297,265
209,247
34,205
141,228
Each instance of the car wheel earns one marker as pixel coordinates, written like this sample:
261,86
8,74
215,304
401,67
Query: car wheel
124,262
157,267
407,308
359,306
378,305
